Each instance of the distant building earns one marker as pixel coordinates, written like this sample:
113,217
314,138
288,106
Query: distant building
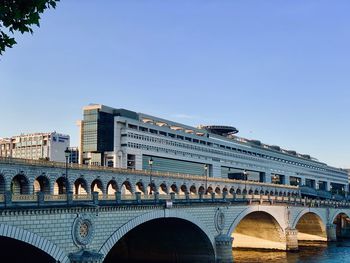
5,147
36,146
126,139
74,155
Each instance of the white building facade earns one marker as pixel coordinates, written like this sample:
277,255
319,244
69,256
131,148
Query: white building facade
136,138
38,146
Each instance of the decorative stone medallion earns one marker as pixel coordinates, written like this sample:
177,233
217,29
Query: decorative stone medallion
219,220
82,231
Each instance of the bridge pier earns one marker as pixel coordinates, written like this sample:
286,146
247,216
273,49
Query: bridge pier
223,245
331,232
85,256
292,239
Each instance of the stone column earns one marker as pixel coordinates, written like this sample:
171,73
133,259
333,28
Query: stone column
292,239
86,256
331,232
223,245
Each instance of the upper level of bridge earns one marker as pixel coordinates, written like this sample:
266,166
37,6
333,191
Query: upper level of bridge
22,176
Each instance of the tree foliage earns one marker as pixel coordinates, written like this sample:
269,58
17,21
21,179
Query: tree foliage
20,15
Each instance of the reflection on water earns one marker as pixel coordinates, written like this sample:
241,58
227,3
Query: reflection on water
309,253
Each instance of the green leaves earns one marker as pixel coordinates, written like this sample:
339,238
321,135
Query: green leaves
20,15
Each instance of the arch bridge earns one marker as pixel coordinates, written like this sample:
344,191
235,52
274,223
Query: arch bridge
105,216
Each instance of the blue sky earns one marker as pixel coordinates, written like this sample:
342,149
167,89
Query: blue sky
276,70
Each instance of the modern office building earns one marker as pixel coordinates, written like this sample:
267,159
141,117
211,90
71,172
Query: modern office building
126,139
36,146
74,155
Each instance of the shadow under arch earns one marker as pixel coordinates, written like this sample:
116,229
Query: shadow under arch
341,220
35,240
154,215
310,226
258,229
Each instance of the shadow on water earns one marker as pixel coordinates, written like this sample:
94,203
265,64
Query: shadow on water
308,253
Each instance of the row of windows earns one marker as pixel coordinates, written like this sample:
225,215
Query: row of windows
213,145
161,149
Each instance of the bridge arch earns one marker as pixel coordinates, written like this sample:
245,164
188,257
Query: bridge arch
35,240
97,186
81,186
112,187
258,228
163,189
60,186
42,184
193,190
160,214
311,226
2,184
126,188
20,184
337,213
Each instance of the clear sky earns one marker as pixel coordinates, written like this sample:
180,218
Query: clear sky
279,71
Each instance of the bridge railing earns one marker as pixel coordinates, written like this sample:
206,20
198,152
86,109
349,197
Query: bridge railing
50,164
7,199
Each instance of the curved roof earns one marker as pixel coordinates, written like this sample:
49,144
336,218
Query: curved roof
220,129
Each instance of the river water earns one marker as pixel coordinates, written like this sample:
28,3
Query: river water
311,253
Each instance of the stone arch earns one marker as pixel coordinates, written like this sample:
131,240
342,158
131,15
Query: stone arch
2,184
20,184
112,187
258,229
97,186
336,213
183,189
126,188
256,192
238,191
224,190
217,190
193,190
174,189
139,187
210,190
277,215
341,221
310,225
201,190
80,186
163,189
124,229
232,191
42,184
35,240
60,186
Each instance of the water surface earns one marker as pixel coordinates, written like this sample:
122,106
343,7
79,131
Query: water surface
310,253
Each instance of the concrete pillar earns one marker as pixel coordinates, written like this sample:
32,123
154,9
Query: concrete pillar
8,198
85,256
40,198
95,198
118,197
291,239
223,245
331,232
138,197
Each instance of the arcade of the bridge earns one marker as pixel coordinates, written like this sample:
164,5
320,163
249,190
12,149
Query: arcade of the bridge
22,184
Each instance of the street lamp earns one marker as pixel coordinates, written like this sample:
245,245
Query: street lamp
206,178
67,154
150,163
245,176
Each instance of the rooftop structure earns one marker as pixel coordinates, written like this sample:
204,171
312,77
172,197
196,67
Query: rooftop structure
125,139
